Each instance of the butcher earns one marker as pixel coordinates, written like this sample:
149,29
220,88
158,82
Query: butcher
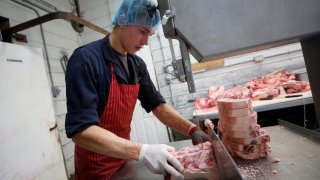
104,79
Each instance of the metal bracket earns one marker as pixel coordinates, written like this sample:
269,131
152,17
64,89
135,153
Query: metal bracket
176,70
186,64
168,14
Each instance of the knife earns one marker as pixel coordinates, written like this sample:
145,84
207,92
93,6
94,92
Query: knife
291,96
227,168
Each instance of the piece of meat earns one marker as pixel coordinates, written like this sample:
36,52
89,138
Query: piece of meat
215,91
238,123
232,146
237,92
251,156
204,103
246,141
265,92
253,131
197,158
208,123
275,160
239,131
293,86
234,103
225,113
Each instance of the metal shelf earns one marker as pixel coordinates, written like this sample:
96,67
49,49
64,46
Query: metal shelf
260,106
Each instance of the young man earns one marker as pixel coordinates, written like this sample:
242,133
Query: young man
104,79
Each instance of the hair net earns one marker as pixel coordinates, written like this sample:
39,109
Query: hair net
137,12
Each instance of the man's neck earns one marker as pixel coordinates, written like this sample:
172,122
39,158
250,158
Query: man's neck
115,43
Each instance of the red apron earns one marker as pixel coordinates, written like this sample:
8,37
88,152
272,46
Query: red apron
116,118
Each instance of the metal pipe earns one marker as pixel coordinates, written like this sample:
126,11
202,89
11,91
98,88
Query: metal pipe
37,5
54,90
173,101
77,7
47,4
170,133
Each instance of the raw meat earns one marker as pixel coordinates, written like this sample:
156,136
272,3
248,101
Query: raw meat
239,131
208,123
225,113
274,84
210,101
197,158
246,148
238,123
251,156
204,103
234,103
215,91
275,160
255,140
238,92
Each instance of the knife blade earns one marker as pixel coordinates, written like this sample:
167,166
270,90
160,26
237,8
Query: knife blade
227,168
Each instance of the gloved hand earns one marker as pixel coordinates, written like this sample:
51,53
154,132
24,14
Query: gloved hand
156,158
198,136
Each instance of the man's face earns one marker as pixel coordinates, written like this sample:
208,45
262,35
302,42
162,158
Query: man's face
133,38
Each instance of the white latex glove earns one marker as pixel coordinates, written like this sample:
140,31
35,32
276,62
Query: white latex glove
156,158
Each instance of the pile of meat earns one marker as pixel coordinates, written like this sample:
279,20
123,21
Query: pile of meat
239,131
197,158
274,84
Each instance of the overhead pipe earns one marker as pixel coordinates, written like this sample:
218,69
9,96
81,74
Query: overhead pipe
76,2
47,4
55,91
39,6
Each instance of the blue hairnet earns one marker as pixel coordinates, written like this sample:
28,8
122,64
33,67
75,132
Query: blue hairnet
137,12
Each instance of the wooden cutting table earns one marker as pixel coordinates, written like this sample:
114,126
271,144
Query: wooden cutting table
259,106
299,156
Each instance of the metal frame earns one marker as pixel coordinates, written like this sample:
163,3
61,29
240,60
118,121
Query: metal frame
311,49
307,132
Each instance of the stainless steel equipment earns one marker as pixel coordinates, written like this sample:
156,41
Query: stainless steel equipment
287,144
213,29
226,166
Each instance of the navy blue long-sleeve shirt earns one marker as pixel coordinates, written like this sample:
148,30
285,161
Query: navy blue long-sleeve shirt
88,80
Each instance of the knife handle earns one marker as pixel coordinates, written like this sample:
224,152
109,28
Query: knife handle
291,96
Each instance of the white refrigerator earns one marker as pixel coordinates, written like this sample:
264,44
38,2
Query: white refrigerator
29,142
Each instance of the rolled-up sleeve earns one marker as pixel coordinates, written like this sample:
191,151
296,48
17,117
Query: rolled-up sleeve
82,97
